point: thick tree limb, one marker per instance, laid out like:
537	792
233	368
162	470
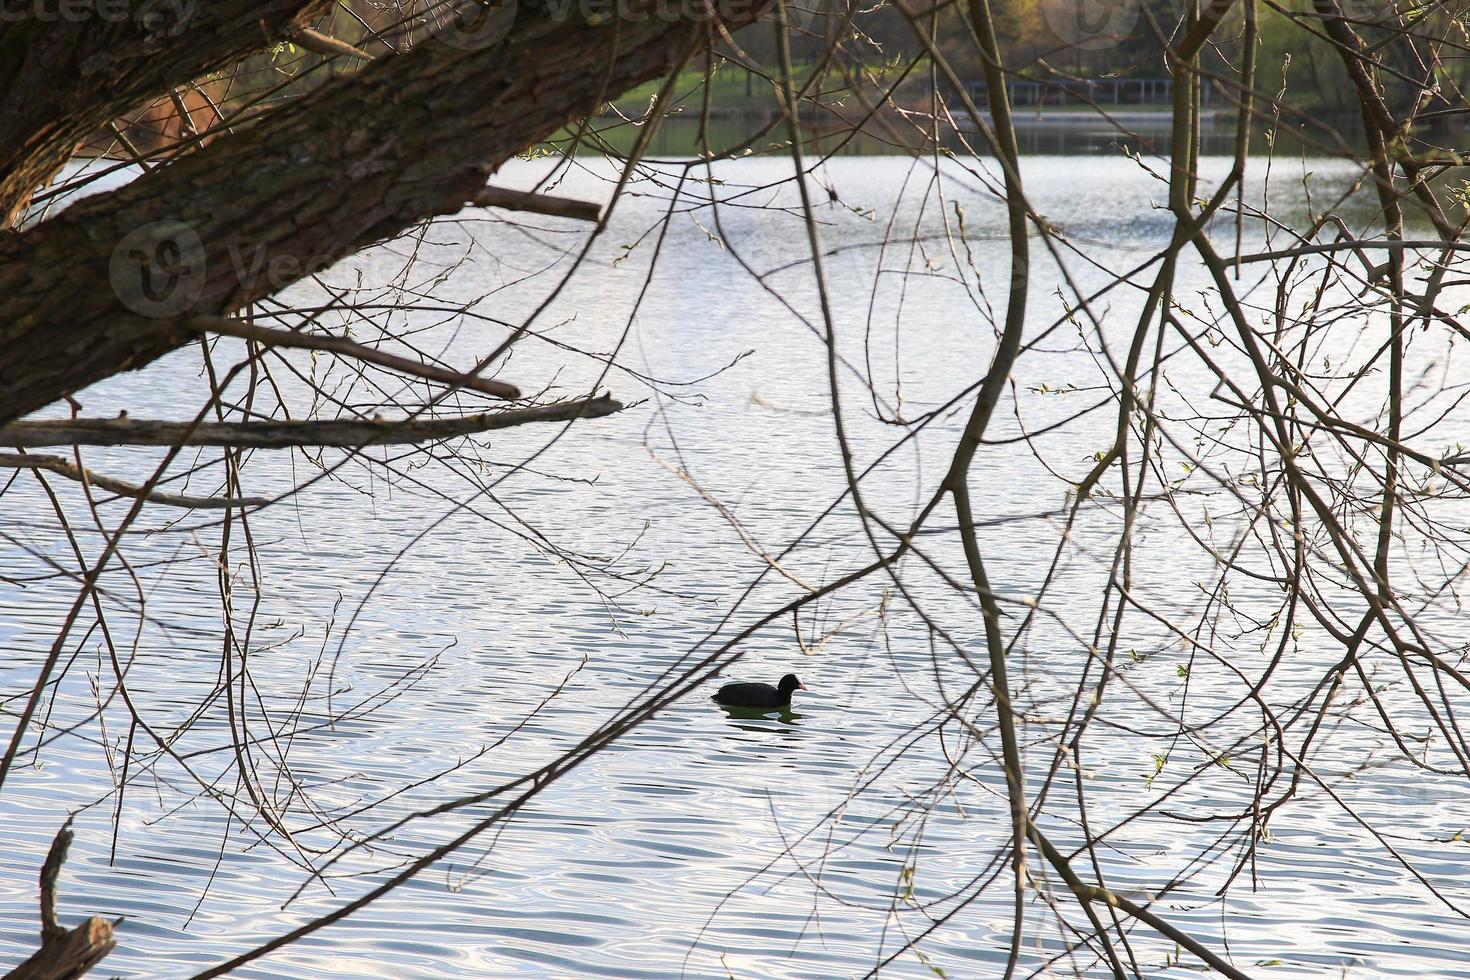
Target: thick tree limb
64	953
355	162
61	78
557	207
344	433
70	470
305	341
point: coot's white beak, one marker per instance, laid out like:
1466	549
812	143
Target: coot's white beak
802	686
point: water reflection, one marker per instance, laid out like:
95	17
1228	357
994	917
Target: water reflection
742	717
620	867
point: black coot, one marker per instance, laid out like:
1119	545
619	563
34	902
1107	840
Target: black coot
759	695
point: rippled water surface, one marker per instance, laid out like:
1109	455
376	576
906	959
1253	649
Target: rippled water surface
683	850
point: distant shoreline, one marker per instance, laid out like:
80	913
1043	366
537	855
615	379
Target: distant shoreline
1128	116
1025	116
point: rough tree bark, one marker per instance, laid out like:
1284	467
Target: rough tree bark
355	162
66	69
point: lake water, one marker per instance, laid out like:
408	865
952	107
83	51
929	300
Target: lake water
684	850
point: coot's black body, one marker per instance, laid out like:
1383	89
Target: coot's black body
759	695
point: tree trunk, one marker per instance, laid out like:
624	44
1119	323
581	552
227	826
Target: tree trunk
67	69
108	285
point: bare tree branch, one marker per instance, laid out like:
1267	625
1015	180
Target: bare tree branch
345	433
70	470
290	338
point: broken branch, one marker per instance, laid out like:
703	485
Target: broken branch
557	207
319	43
64	953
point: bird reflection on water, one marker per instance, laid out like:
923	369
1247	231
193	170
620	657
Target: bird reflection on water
750	719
